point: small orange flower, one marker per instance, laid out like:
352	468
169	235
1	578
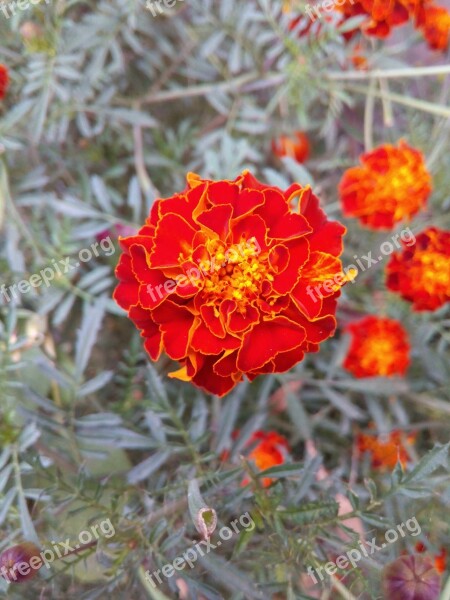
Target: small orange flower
4	81
379	348
386	451
421	273
296	147
434	21
359	60
440	560
392	184
271	450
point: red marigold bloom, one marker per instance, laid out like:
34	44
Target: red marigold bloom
386	451
382	15
379	348
296	147
434	22
271	450
392	184
4	81
421	273
219	276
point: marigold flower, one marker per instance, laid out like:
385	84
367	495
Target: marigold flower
379	348
20	563
411	577
4	81
386	451
296	147
270	451
392	184
421	273
218	278
382	15
434	22
440	560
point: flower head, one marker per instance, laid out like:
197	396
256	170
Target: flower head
434	22
219	276
391	185
386	450
382	15
379	348
411	577
440	560
270	450
17	564
296	146
421	273
4	81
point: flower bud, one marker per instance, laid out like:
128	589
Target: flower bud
411	577
21	562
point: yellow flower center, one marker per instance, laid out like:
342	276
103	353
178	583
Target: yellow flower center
235	273
378	351
434	273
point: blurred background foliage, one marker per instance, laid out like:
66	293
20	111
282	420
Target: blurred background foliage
109	107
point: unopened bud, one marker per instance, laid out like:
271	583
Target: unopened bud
21	562
411	577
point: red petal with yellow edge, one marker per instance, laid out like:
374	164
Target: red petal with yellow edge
227	364
173	239
298	255
212	316
266	340
207	343
223	192
126	294
247	202
236	321
211	382
217	220
175	324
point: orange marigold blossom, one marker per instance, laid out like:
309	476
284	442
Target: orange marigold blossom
384	15
386	450
217	277
379	348
271	450
440	560
434	22
420	273
392	184
296	146
4	81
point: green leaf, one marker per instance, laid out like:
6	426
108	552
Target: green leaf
311	512
437	457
